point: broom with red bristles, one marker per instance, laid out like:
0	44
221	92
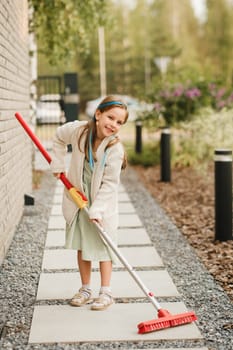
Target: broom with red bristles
165	318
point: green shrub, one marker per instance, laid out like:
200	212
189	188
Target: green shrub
195	141
149	156
177	102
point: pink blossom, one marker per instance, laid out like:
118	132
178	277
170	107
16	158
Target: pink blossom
178	91
221	104
193	93
220	93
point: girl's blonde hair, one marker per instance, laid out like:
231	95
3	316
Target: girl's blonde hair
90	131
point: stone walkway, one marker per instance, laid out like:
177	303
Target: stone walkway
54	321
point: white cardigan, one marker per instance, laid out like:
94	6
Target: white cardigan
105	178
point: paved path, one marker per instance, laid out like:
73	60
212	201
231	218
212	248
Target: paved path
55	321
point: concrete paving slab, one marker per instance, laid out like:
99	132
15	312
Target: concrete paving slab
133	236
63	323
59	189
59	259
123	197
57	198
56	222
55	238
126	236
141	256
129	220
121	188
56	210
126	207
64	285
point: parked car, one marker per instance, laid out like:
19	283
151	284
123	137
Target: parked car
91	107
49	110
135	107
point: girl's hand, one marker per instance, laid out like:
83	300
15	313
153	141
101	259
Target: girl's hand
57	175
98	221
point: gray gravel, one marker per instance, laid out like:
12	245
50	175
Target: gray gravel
20	272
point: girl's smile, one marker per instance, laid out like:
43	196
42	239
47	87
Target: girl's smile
109	122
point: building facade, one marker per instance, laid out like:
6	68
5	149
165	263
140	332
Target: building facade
15	147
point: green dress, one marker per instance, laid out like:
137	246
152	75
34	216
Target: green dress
83	234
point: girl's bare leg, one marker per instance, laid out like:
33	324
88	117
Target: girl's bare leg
84	268
105	273
84	294
105	296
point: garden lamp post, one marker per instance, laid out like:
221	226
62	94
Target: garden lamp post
103	83
162	63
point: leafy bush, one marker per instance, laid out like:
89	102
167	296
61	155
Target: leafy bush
152	120
179	102
195	141
220	97
149	156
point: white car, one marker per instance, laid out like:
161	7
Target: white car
48	110
135	107
91	107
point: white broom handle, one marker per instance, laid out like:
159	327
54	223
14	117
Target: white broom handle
115	249
81	202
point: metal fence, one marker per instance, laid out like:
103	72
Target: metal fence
57	103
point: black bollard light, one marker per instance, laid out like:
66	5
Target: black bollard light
138	141
165	155
29	200
223	194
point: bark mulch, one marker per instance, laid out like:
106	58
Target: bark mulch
189	202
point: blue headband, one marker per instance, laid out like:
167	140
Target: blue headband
110	103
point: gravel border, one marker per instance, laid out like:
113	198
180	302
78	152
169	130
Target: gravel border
20	271
198	288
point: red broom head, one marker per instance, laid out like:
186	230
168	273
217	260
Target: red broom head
166	320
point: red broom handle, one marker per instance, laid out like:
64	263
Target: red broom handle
46	155
33	137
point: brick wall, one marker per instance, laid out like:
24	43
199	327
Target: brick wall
15	148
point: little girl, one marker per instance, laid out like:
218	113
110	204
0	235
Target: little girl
95	167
